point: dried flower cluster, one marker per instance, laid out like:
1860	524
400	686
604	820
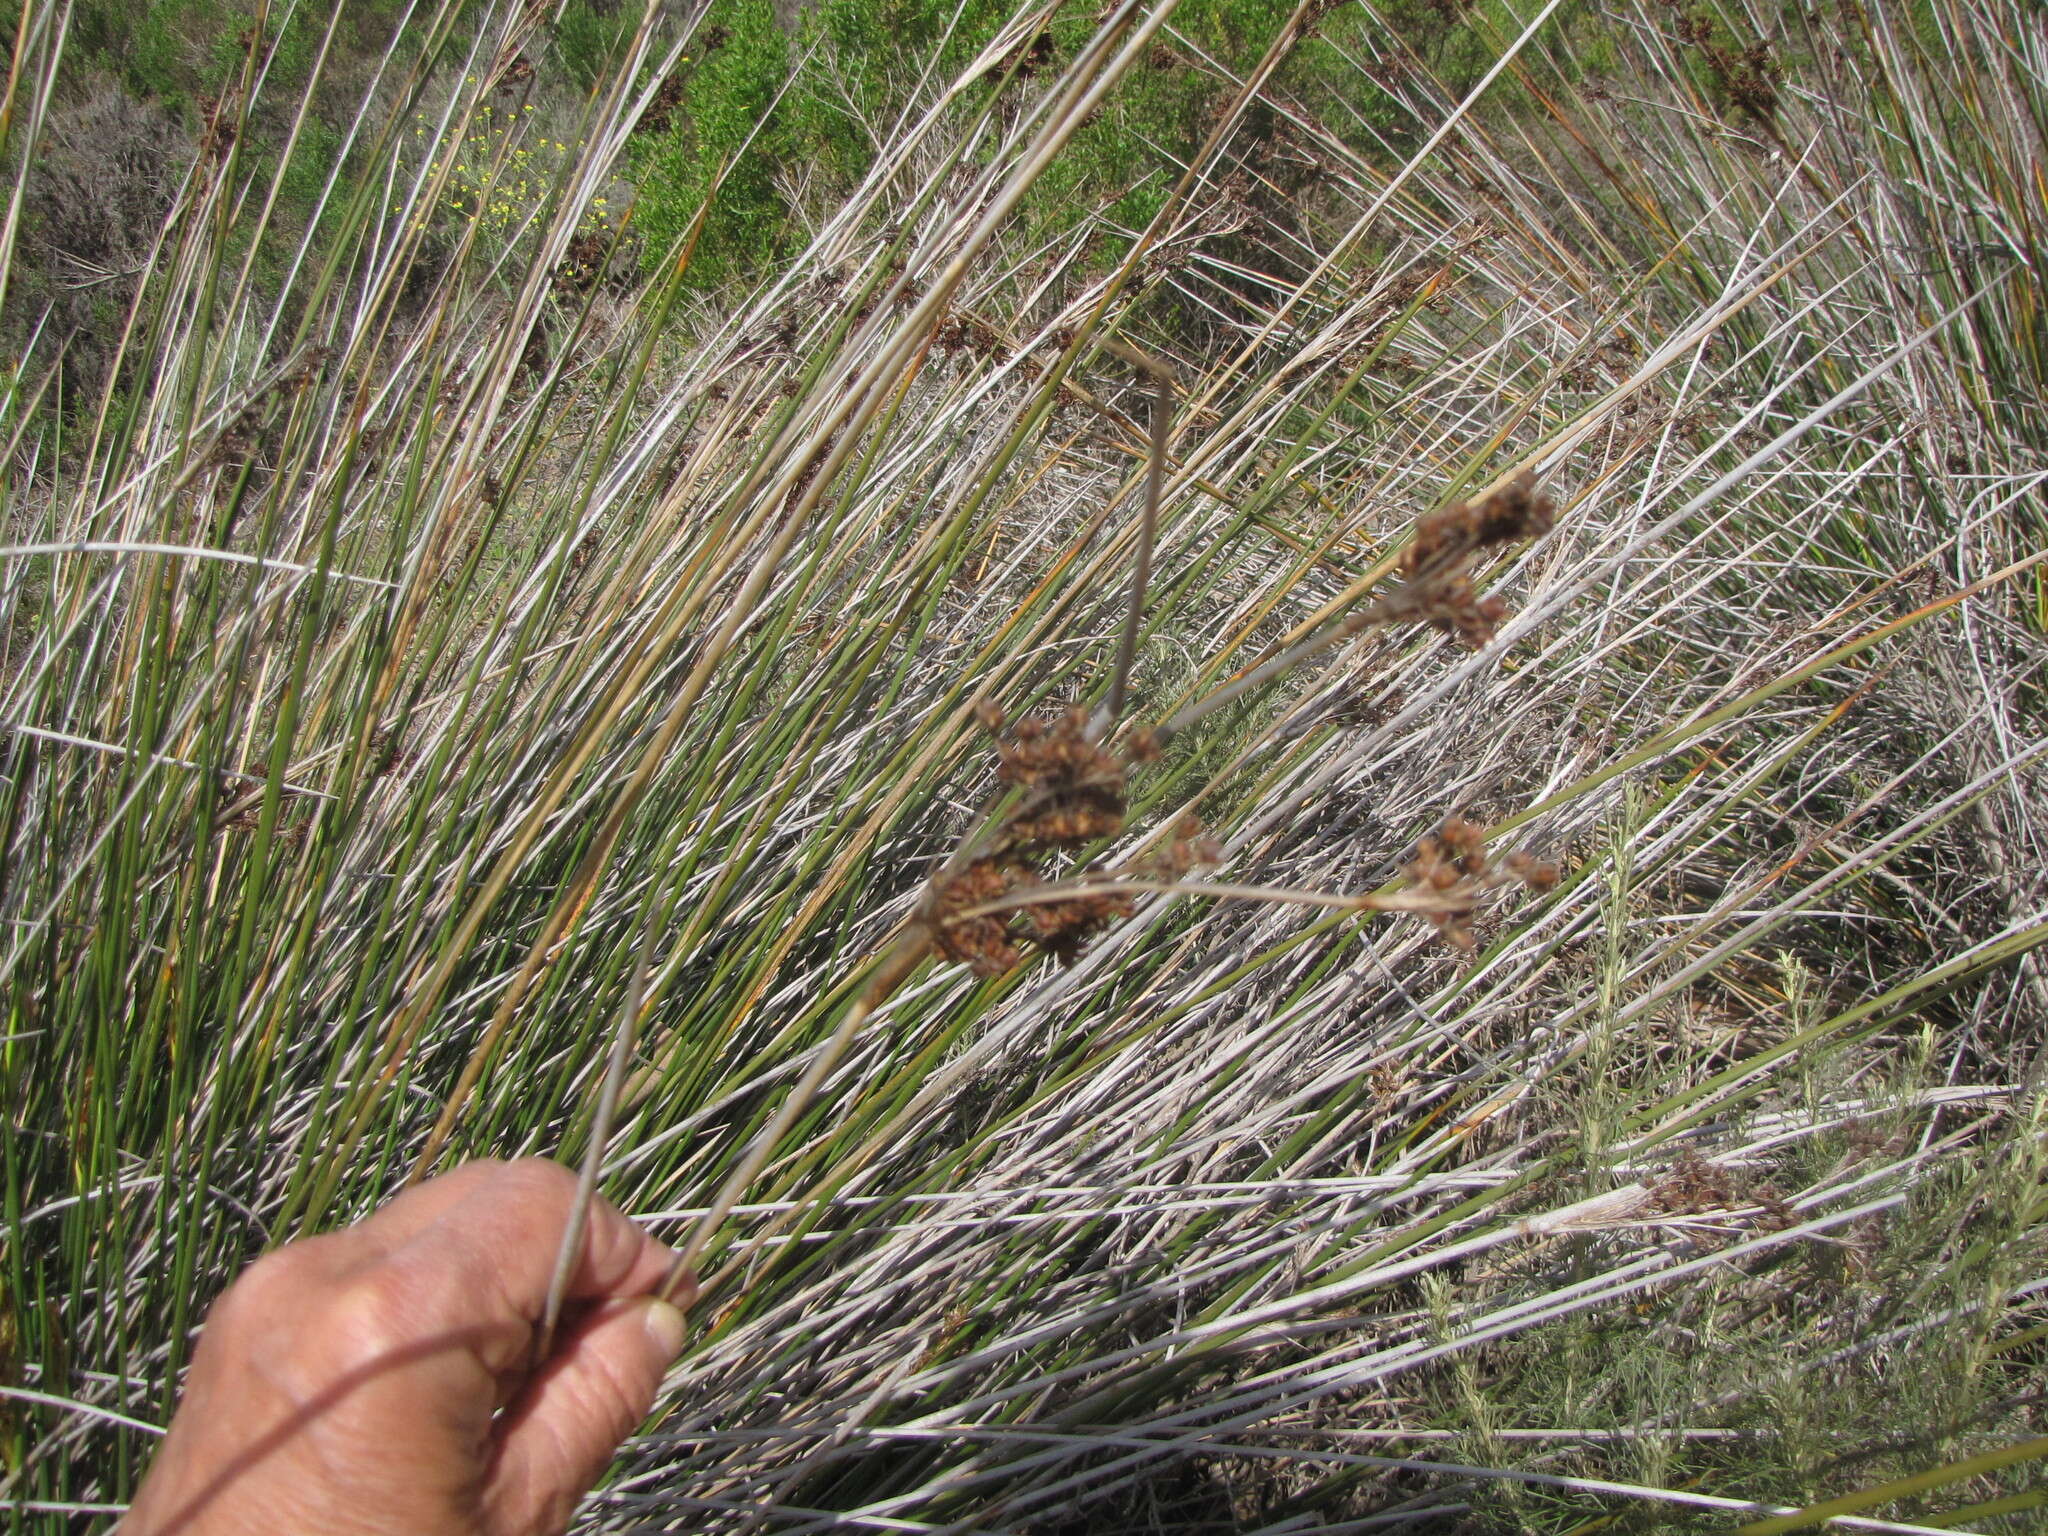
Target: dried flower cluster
1693	1186
1064	790
1439	587
1190	848
1072	795
1063	928
1747	76
963	331
1453	869
1073	789
586	261
1616	356
983	942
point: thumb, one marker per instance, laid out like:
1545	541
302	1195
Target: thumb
562	1431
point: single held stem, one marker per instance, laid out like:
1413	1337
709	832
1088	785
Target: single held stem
609	1087
1112	709
916	941
902	958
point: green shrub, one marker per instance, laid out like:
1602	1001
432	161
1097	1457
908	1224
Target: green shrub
728	91
588	37
739	112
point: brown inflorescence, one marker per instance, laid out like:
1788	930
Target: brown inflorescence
983	942
1189	849
1453	533
966	332
1063	928
1692	1185
584	261
667	102
1439	587
1537	874
1073	796
1452	866
1074	790
1070	790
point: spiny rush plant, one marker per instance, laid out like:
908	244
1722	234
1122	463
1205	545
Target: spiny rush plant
463	696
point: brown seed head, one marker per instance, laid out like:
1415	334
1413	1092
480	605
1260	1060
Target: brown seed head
1452	867
1075	789
1439	588
1692	1185
982	943
1063	928
1445	538
1080	817
1535	873
1189	849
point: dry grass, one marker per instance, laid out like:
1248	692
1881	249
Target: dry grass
404	712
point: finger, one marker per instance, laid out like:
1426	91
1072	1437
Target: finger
557	1439
496	1246
404	1218
351	1250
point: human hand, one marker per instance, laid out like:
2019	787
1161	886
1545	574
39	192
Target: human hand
352	1384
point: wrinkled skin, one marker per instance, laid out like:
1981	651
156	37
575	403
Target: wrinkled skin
352	1384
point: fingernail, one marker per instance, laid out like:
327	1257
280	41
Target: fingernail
666	1328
